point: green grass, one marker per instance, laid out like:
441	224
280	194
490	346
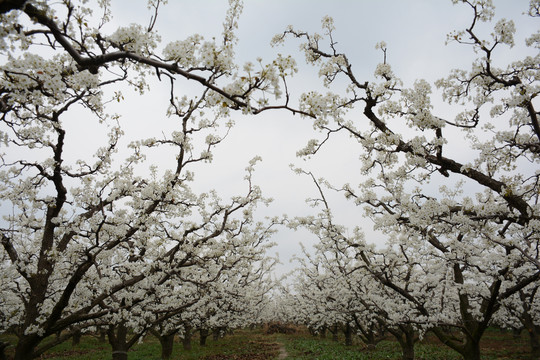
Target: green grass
255	345
304	347
243	344
495	345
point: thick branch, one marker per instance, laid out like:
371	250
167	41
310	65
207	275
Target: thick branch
499	187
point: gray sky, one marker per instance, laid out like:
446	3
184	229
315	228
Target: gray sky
415	32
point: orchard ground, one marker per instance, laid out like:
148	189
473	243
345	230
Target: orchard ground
261	344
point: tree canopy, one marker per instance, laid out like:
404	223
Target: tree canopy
95	237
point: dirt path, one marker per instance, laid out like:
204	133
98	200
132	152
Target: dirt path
282	352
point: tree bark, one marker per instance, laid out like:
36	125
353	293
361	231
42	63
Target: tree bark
76	339
532	329
26	346
102	335
3	346
219	332
407	347
534	341
118	341
471	350
203	335
406	337
166	341
369	334
167	345
407	351
334	331
186	339
371	340
468	347
348	335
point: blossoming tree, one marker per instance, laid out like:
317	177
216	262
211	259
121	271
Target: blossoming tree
89	236
225	300
477	234
356	270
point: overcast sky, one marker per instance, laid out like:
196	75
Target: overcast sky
415	31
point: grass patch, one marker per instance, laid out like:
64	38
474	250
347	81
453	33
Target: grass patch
242	345
257	345
303	346
496	345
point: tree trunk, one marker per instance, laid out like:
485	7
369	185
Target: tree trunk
348	335
118	341
370	334
532	329
120	354
186	339
167	344
3	346
371	340
406	337
323	332
334	331
534	341
407	352
102	335
467	347
76	339
219	332
471	350
203	335
26	347
407	347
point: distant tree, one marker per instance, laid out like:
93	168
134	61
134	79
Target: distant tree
521	312
476	239
355	277
227	299
85	236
